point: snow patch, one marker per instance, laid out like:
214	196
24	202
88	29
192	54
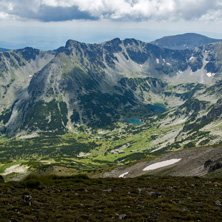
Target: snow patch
46	162
161	164
191	58
157	61
123	175
16	169
209	74
168	64
49	118
82	154
102	132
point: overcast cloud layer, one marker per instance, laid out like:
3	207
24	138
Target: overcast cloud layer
64	10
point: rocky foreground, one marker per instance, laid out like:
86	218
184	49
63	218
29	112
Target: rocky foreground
140	199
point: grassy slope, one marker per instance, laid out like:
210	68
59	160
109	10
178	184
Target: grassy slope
140	199
81	152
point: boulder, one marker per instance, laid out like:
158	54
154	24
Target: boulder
215	166
2	179
207	163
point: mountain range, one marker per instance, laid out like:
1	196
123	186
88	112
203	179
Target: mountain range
167	92
184	41
3	49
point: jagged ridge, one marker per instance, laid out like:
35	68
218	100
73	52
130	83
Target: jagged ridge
98	84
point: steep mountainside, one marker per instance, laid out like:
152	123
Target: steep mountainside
203	161
17	69
184	41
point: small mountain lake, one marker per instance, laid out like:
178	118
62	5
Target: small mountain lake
157	107
133	121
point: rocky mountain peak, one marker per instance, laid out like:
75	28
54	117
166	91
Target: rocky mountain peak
72	43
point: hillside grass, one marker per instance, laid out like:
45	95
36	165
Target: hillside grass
79	198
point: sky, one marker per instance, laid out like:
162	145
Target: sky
48	24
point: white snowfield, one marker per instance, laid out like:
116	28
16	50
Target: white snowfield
209	74
161	164
123	175
16	169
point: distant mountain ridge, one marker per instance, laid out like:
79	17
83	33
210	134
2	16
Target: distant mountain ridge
4	50
184	41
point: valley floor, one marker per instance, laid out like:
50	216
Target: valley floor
79	198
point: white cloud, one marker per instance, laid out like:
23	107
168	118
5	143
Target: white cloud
212	16
3	15
56	3
142	9
114	9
